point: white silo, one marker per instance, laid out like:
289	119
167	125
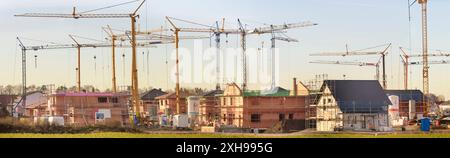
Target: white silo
412	109
193	103
394	116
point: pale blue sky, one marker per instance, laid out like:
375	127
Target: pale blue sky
359	23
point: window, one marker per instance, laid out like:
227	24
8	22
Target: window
281	117
224	117
329	100
291	116
231	101
102	99
324	101
256	118
115	100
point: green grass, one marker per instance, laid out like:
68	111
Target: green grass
207	135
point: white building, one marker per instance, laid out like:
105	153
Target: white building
352	105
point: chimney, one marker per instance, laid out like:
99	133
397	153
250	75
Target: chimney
295	86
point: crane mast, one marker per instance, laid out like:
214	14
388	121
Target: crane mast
426	85
244	56
405	59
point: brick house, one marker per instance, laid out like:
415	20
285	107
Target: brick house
259	109
151	104
89	108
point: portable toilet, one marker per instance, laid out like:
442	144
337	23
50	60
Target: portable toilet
425	124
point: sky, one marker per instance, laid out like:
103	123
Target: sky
357	23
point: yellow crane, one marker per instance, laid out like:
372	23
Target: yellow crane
133	15
113	38
425	70
217	31
152	34
405	59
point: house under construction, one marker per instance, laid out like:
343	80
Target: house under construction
352	105
259	109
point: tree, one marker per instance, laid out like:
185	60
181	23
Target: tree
61	88
9	89
43	88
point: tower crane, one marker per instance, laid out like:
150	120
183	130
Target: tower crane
430	62
425	75
133	15
77	45
176	38
217	31
353	63
113	38
357	53
405	59
243	33
122	37
272	29
264	30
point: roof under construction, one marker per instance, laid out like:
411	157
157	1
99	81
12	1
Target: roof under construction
275	92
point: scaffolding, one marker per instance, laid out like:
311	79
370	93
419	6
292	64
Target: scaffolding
313	86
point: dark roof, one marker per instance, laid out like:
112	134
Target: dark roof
406	95
212	93
358	96
152	94
172	95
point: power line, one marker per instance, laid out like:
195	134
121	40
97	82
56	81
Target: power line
111	6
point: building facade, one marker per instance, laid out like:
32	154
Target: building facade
168	104
209	105
352	105
150	106
259	109
409	99
90	108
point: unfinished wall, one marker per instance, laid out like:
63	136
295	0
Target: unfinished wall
328	114
81	110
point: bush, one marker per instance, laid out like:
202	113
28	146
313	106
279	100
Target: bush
12	125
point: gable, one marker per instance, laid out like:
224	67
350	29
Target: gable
232	90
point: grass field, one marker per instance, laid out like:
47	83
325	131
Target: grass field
203	135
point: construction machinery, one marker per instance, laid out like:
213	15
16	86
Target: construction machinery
425	75
382	53
242	31
405	59
113	38
133	15
217	31
430	62
353	63
273	29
